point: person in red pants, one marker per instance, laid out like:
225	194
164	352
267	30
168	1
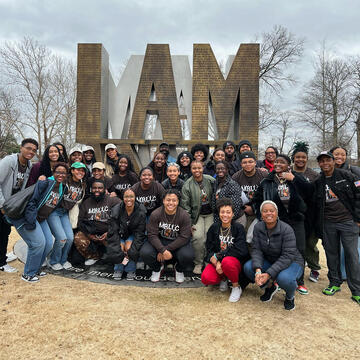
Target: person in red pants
226	251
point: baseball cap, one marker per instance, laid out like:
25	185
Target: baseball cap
88	148
98	165
110	146
75	149
325	153
78	165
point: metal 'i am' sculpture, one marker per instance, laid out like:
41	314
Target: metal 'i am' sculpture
158	100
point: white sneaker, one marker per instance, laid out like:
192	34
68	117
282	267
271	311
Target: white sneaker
11	256
56	267
179	277
8	269
66	265
89	262
155	275
224	286
197	269
235	294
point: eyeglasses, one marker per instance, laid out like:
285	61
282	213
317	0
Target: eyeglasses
269	152
28	148
60	173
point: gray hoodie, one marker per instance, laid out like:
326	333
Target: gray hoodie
8	174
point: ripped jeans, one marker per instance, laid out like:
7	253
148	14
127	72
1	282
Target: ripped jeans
61	229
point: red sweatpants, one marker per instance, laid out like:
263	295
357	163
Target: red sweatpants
230	266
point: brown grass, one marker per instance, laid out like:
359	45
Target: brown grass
61	318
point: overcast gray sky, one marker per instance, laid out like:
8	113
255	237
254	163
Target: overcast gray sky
126	26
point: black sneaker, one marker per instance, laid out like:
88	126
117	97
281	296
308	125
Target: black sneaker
269	293
289	304
30	279
41	273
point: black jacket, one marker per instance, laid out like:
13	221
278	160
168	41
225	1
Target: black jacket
120	230
343	184
299	188
238	249
353	169
178	186
279	248
232	190
209	168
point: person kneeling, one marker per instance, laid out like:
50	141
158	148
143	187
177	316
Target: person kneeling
169	234
275	260
226	251
93	221
126	235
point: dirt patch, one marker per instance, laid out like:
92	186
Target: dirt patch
61	318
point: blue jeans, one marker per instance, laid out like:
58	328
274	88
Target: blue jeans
60	226
39	242
131	265
287	278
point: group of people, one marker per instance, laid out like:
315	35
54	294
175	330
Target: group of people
229	219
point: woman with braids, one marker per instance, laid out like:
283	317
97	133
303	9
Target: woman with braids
218	155
200	152
340	156
43	169
300	159
288	190
159	166
184	160
125	177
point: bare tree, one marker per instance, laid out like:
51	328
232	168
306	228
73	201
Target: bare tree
356	87
279	48
285	127
327	103
45	96
8	118
267	115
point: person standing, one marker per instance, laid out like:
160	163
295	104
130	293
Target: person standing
165	149
184	160
249	178
89	157
300	160
337	202
271	154
111	158
288	191
196	200
33	226
14	174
